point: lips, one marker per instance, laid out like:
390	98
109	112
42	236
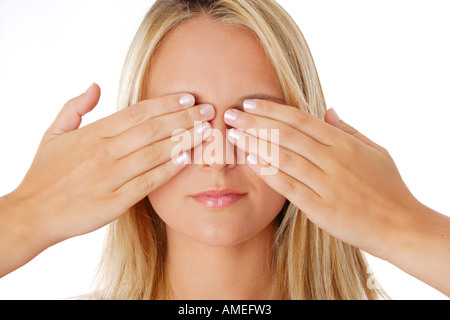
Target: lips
218	198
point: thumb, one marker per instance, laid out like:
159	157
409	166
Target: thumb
69	118
331	117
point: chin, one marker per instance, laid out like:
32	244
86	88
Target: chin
225	234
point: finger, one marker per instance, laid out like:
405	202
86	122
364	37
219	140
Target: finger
158	128
295	191
295	117
280	133
69	118
136	189
136	114
280	158
156	154
333	119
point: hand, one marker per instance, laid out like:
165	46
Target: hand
345	184
83	178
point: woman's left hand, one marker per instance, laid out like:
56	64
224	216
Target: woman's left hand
345	184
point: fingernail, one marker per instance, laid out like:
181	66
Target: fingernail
249	105
207	111
231	115
334	114
187	100
183	158
252	159
235	134
202	129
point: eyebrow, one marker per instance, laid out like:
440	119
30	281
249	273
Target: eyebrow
200	100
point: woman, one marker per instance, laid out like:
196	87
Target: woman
292	234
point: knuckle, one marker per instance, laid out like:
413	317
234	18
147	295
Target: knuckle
145	182
350	147
336	167
386	152
164	171
152	153
134	114
99	150
70	102
302	120
287	135
151	128
187	117
104	154
250	122
290	187
285	157
349	129
108	149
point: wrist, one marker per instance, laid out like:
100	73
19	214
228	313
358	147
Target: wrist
420	246
405	231
22	235
32	216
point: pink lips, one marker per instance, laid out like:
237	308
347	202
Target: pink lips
218	198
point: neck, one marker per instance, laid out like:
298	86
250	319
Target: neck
238	272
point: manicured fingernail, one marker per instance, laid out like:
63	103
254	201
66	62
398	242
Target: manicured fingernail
202	129
334	114
235	134
231	115
249	105
187	100
207	111
183	158
252	159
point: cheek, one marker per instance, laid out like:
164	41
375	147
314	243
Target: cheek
269	202
163	200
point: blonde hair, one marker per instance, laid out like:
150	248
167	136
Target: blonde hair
310	264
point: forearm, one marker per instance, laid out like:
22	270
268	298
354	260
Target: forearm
422	248
20	239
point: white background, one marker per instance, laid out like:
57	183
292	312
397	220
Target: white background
384	66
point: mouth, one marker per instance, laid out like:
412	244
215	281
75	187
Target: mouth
218	198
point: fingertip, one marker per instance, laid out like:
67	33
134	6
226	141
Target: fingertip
334	114
93	88
90	88
331	117
89	99
187	100
182	159
252	159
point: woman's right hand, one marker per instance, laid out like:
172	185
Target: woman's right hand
83	178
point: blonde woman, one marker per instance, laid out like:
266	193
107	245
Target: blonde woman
202	74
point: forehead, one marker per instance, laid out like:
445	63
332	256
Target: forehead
203	54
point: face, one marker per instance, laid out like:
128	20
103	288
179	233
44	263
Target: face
219	65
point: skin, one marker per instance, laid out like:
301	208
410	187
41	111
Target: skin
208	245
327	169
105	168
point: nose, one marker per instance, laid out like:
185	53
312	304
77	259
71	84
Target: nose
217	152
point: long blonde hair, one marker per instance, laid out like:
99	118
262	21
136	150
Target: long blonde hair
310	264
